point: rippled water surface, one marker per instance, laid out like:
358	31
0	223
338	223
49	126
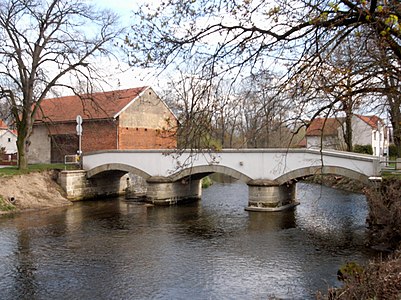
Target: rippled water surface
212	249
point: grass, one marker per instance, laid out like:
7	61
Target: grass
5	205
391	175
13	170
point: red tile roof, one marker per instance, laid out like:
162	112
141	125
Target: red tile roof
3	125
323	126
302	143
90	106
372	121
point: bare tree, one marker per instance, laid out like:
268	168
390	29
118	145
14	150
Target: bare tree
265	110
238	36
42	43
192	100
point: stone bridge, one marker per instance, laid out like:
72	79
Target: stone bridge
271	174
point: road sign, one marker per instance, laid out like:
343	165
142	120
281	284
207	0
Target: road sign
79	129
79	133
79	125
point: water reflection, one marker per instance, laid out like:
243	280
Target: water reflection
25	267
260	222
212	249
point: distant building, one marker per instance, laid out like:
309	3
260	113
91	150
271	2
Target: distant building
328	133
325	133
124	119
370	130
8	139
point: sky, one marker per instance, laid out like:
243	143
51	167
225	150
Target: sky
123	76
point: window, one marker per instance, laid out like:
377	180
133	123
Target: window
9	140
374	135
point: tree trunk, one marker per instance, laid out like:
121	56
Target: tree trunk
396	123
22	153
24	128
348	108
394	104
348	131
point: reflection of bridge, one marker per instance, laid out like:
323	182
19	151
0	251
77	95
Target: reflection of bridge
270	173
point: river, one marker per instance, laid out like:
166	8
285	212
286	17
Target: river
212	249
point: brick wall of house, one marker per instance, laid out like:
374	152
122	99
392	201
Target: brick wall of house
147	124
144	138
97	135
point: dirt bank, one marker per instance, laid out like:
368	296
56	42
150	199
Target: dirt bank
32	191
338	182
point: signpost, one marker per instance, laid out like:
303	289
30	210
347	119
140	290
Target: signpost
79	133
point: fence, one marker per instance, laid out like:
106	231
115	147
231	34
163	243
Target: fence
8	159
391	165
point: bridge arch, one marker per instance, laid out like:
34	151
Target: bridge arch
113	167
209	169
328	170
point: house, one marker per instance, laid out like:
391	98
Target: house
366	130
324	132
134	118
8	139
370	130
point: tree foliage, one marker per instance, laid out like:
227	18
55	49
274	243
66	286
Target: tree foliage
43	44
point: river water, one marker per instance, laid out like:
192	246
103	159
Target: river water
212	249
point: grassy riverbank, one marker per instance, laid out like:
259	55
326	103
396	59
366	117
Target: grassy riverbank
13	170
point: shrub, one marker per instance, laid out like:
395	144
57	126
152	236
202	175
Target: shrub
364	149
378	280
206	182
392	150
384	218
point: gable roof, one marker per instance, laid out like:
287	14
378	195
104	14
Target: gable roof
372	121
103	105
323	126
3	125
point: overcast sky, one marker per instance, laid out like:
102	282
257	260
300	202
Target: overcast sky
121	75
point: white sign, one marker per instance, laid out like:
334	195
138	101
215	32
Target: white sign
79	129
79	125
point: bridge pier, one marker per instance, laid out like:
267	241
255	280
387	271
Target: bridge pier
268	195
164	191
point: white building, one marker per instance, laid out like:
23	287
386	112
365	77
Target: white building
366	130
370	130
8	139
325	133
